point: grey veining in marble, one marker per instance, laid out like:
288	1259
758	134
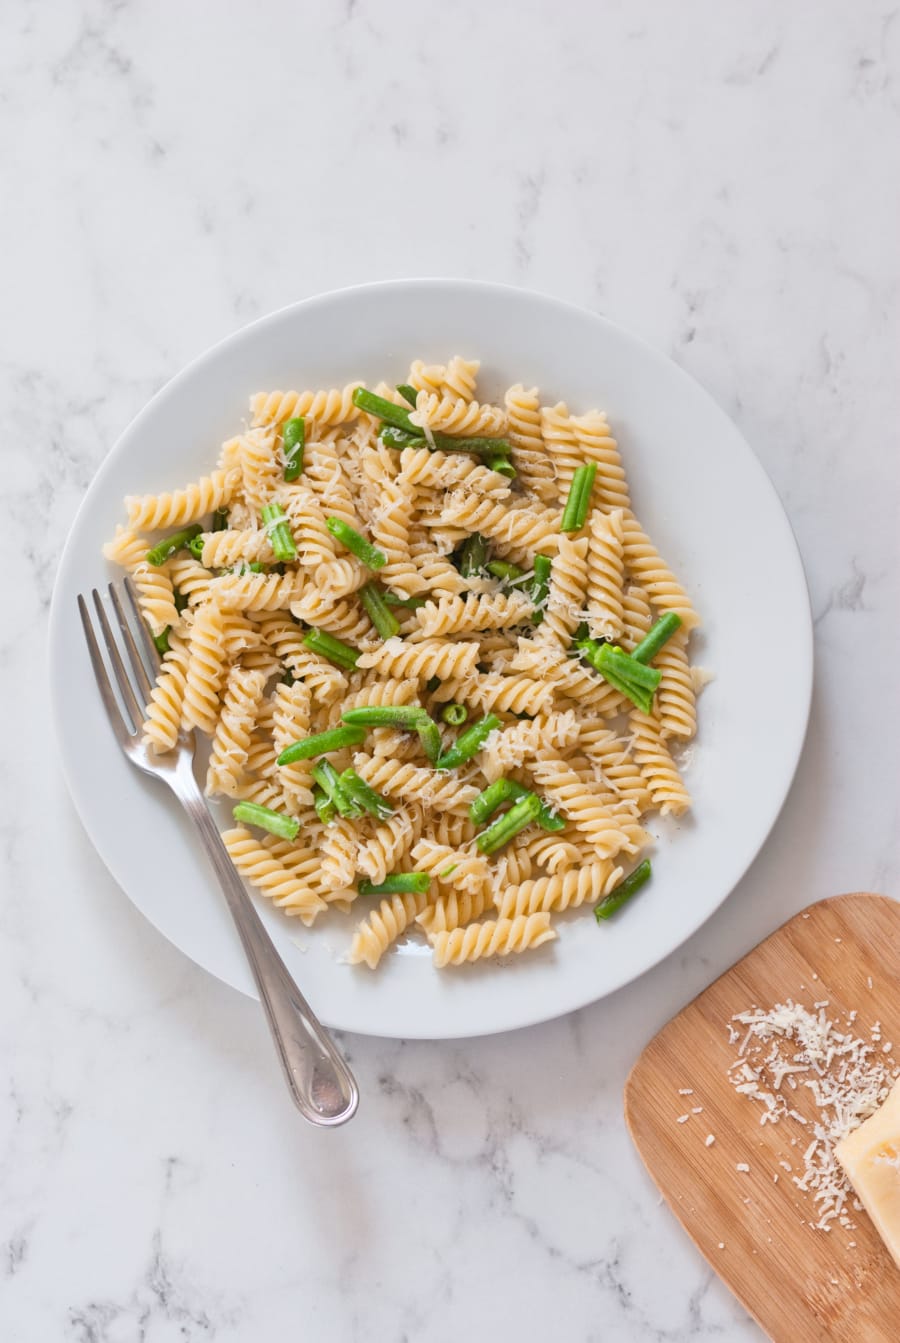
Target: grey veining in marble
720	177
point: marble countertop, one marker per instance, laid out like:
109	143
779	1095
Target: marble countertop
723	179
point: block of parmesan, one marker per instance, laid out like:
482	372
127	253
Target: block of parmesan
870	1156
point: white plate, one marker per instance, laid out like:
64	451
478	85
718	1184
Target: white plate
707	504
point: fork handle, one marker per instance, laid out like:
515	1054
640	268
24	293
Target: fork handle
322	1086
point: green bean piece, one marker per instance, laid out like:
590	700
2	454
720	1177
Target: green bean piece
430	737
473	555
387	715
385	410
195	546
454	714
320	743
408	392
626	888
510	790
632	679
540	586
180	599
359	791
281	538
509	573
432	684
219	520
335	650
393	437
163	549
579	499
264	818
325	808
408	603
370	555
380	614
293	440
500	463
469	743
161	640
482	807
328	779
252	567
660	634
507	826
399	883
287	677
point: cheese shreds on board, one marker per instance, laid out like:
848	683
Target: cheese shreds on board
788	1047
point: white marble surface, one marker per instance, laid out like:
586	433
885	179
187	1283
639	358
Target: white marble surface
720	177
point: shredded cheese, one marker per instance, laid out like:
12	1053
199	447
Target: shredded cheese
790	1046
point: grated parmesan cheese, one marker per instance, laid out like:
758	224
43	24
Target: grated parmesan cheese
841	1071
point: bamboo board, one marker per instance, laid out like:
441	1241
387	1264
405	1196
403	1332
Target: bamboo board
801	1284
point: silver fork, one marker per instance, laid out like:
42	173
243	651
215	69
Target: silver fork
322	1086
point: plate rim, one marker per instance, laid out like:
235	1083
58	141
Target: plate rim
805	647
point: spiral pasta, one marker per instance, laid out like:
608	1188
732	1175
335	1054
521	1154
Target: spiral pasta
605	576
441	627
334	406
423	660
463	615
162	722
497	937
609	832
231	739
565	891
564	610
657	766
455	415
529	454
383	926
153	511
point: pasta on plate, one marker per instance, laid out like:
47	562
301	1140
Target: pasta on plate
443	670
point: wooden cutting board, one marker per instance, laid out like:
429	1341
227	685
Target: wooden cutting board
802	1285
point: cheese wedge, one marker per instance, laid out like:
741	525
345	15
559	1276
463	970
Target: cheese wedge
870	1155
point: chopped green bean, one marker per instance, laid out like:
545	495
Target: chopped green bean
281	538
509	573
251	813
163	549
180	599
293	439
430	737
328	779
385	410
359	791
500	463
325	808
320	743
387	715
454	714
632	679
219	520
370	555
510	790
399	883
469	743
626	888
408	392
335	650
540	586
394	437
161	640
473	555
380	614
579	499
195	546
408	603
507	826
660	634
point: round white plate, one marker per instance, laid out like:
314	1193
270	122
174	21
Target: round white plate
707	504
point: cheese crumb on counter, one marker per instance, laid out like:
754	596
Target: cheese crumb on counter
709	1140
790	1046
